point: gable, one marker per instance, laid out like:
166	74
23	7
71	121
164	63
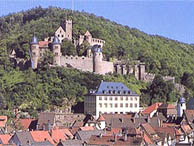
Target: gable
60	30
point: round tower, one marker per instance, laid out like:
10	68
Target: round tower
97	61
35	51
181	106
56	48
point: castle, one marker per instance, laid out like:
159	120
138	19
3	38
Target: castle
92	62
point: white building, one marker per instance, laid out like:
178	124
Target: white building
111	97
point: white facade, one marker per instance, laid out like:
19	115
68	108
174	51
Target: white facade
120	104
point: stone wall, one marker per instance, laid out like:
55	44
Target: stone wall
81	63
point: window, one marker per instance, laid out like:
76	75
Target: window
110	98
116	98
131	98
58	35
135	104
62	36
105	105
110	105
131	105
100	104
126	98
136	98
105	98
126	105
56	47
100	98
116	105
121	105
56	54
121	98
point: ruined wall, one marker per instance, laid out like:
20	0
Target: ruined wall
81	63
107	67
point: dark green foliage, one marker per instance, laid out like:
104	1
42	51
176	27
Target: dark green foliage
161	91
47	87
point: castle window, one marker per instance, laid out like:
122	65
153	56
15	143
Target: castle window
56	47
131	98
56	54
114	92
105	105
116	105
110	105
58	35
100	104
62	36
135	104
136	98
110	98
105	98
128	92
121	98
124	92
116	98
100	98
121	105
33	53
131	105
126	98
126	105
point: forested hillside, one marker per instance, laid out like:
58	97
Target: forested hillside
44	88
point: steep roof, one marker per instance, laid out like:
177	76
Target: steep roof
71	143
24	137
62	134
149	129
43	43
87	33
151	108
43	143
87	128
85	135
4	138
113	88
101	118
40	136
26	123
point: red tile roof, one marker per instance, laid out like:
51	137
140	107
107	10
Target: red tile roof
40	136
113	131
151	108
87	128
43	44
5	138
24	123
62	134
147	140
101	118
3	121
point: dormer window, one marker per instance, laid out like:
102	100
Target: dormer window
114	91
119	92
129	92
103	91
124	92
110	92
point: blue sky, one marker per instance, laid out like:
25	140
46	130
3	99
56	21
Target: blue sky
172	19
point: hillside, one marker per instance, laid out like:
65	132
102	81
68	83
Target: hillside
46	88
162	55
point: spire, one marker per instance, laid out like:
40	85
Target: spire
56	40
34	40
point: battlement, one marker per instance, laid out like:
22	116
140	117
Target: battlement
95	40
75	57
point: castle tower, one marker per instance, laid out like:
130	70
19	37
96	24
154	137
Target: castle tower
35	52
68	27
97	61
141	71
56	48
181	106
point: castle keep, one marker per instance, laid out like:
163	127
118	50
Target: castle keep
92	62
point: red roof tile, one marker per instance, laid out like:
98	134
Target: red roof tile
147	140
113	131
151	108
87	128
40	136
62	134
3	121
5	138
43	44
24	123
101	118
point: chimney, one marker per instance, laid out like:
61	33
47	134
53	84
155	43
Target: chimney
49	126
125	137
115	137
